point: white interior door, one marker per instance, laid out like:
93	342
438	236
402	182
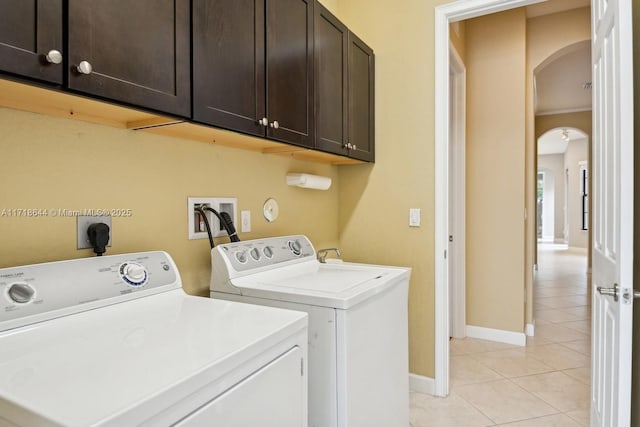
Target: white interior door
612	279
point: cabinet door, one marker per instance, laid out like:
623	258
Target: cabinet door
29	29
139	51
361	100
330	62
289	71
228	64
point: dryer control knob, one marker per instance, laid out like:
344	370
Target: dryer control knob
134	274
21	293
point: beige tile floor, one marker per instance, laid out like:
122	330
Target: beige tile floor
545	383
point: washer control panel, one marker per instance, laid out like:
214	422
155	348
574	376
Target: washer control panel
262	253
37	292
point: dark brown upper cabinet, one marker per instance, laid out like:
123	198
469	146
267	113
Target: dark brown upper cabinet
331	82
136	52
361	142
253	67
31	42
344	84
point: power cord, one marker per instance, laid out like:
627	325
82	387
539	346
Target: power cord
225	222
98	234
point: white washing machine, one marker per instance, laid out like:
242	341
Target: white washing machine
358	337
114	341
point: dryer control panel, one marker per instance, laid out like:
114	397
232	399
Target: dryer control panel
37	292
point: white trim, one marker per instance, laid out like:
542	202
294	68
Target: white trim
457	216
530	329
508	337
424	385
444	14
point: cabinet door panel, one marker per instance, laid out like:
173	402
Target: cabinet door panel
361	99
228	64
139	51
290	70
330	62
29	29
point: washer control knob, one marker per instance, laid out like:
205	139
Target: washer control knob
255	254
241	256
268	251
295	247
21	293
133	273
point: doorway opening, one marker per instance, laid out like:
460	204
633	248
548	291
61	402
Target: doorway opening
445	191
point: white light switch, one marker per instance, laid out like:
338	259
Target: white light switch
414	217
245	218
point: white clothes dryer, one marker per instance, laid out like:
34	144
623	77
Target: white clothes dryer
115	341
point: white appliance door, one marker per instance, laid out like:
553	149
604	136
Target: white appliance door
612	279
270	397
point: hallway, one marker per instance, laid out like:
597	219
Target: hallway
545	383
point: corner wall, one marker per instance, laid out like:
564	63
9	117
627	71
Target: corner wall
375	199
496	65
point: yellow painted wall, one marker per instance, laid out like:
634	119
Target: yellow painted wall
375	200
546	35
496	63
54	163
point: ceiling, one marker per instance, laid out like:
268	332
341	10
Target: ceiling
562	83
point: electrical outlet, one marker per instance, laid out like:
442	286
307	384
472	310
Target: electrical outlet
245	218
197	228
83	222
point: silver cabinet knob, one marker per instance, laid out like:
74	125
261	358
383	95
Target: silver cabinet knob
275	124
354	147
53	56
84	67
263	121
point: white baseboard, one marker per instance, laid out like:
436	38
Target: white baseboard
529	330
508	337
421	384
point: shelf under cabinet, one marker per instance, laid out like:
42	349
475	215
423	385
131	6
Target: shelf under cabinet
51	102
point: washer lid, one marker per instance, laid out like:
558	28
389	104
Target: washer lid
340	285
122	364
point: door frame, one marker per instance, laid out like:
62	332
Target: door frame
457	214
444	15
